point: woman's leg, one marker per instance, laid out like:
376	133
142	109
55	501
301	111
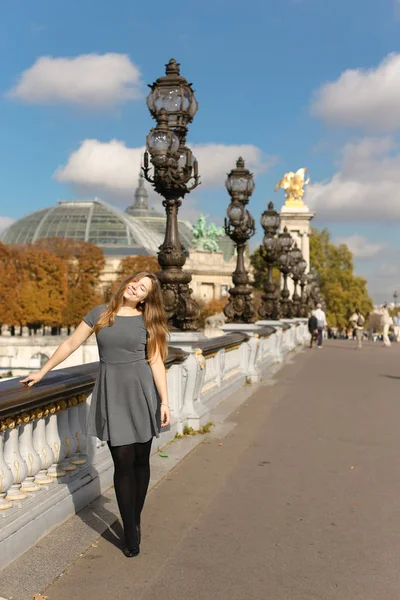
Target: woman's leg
142	475
125	490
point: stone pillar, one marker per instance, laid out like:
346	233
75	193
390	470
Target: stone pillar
297	220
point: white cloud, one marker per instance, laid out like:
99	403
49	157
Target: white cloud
5	222
111	168
90	80
216	160
383	281
360	247
108	168
366	186
366	98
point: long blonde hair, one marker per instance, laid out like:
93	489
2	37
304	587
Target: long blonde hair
152	309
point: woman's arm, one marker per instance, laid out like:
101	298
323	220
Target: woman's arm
72	343
160	379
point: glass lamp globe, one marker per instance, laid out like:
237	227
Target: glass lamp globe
285	240
270	219
175	95
303	265
235	212
270	244
295	254
240	183
283	260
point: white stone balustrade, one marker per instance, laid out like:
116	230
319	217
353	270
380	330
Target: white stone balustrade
6	476
42	447
29	454
46	459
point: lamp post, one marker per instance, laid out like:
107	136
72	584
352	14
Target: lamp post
239	226
395	296
303	295
270	221
295	258
285	244
298	270
173	105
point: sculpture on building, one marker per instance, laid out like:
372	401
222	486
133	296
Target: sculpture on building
293	184
206	238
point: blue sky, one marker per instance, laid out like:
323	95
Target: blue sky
260	71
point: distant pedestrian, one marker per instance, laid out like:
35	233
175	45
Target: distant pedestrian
321	324
396	326
357	322
313	328
387	321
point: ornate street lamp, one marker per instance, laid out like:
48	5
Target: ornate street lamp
175	173
303	283
285	244
296	258
175	95
239	226
270	221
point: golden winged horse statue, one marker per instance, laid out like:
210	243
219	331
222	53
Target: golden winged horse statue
293	184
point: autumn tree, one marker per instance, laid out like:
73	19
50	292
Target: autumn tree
130	265
260	270
9	279
85	263
341	289
41	287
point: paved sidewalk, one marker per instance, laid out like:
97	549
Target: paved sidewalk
300	502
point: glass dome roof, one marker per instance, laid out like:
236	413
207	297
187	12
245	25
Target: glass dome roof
97	222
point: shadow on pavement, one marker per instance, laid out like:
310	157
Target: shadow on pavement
114	534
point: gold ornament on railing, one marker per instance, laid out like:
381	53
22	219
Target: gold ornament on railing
293	184
41	412
198	352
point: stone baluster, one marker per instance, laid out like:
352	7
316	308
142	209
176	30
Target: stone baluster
54	440
13	458
28	453
252	351
193	370
42	447
67	440
80	457
6	476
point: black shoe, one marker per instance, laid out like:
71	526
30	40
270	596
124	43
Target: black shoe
133	552
139	533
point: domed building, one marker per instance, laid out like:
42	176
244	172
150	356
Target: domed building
138	230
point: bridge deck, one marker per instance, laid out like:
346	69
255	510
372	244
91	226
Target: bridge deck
300	502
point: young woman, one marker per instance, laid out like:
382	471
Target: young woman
129	400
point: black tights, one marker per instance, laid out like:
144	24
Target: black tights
131	481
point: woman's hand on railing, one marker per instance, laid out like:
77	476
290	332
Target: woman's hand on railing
32	378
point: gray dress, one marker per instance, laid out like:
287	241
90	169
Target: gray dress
125	405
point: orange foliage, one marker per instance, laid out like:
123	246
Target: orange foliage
85	263
9	277
40	291
208	309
